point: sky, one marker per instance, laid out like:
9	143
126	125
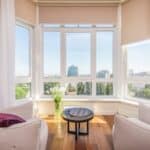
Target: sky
139	58
22	51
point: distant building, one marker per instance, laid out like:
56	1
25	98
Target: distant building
73	71
103	74
131	72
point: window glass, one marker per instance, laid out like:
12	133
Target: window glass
52	54
22	53
139	90
48	86
139	60
104	88
23	90
104	49
80	88
78	46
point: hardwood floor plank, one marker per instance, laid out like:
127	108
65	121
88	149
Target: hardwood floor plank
99	137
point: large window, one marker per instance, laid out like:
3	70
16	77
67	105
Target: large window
78	57
139	70
23	61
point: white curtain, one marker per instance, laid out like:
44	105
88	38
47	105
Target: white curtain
7	53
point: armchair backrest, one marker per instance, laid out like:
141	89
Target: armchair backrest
24	110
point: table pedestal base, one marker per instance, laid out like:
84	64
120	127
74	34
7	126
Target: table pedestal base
77	130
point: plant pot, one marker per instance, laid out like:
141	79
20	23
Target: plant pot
58	106
58	110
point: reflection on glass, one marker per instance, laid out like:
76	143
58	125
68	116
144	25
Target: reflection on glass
52	54
104	89
23	90
104	49
139	90
78	47
22	52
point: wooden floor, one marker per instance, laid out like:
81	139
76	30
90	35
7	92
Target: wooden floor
99	137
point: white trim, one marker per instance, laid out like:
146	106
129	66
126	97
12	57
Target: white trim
25	22
7	48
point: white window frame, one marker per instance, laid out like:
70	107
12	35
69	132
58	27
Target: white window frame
128	80
26	79
63	78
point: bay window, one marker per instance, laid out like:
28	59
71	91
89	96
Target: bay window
78	57
23	61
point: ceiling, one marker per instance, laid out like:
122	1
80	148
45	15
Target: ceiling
78	2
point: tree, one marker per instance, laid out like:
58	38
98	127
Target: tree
100	89
80	88
49	85
22	91
109	89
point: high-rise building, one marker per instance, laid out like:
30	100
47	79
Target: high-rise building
72	71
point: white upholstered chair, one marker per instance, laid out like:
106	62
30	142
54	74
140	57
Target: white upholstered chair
31	135
133	133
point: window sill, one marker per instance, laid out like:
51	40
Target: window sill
135	101
92	99
129	102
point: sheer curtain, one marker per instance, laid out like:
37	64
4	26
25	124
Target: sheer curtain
7	52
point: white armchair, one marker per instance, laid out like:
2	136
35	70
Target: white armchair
31	135
132	133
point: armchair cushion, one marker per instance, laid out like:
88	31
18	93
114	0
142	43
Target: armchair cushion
7	120
144	113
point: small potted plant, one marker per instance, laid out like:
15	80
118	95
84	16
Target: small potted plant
57	94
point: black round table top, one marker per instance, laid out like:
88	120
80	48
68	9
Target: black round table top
77	114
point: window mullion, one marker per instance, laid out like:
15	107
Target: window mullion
63	56
93	62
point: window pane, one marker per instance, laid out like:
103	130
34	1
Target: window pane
104	89
78	47
22	60
23	90
139	60
48	86
80	88
104	49
52	54
139	90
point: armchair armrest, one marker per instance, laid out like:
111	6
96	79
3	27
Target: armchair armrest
24	110
130	134
24	136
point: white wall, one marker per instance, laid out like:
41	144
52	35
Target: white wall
99	107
